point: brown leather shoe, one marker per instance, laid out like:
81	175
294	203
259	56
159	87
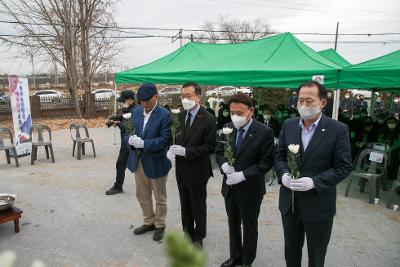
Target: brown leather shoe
143	229
158	234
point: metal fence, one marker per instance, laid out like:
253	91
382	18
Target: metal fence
62	102
5	106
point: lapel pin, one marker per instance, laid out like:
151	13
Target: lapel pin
323	130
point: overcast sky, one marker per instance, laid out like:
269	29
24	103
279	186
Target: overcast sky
354	16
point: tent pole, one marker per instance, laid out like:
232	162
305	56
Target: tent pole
336	102
371	108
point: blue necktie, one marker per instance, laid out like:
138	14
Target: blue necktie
239	139
187	123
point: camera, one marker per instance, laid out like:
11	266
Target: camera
112	118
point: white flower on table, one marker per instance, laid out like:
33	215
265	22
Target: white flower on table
227	130
175	111
294	148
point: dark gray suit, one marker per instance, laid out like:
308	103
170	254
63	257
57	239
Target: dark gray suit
327	160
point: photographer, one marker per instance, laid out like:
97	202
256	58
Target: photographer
127	98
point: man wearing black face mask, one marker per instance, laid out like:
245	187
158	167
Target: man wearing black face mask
127	98
362	105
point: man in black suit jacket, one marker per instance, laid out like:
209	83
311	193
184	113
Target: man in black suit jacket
243	186
324	161
195	142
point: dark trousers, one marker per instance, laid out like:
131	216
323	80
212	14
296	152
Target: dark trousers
193	210
318	236
121	167
246	216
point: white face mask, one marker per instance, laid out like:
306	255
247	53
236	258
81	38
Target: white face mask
238	121
188	104
267	117
307	113
125	105
396	101
391	126
347	96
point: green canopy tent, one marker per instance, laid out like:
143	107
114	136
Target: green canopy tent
280	61
335	57
381	73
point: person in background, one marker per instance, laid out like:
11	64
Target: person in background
221	107
166	106
380	126
292	102
224	118
209	109
328	109
259	115
391	136
271	121
347	106
364	136
362	105
356	103
127	98
395	109
293	113
379	107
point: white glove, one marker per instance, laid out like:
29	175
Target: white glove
227	168
178	150
302	184
130	141
235	178
138	142
287	180
170	156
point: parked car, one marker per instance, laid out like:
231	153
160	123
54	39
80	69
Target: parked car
4	98
50	96
103	93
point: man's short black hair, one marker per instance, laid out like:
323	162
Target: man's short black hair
241	98
197	88
322	92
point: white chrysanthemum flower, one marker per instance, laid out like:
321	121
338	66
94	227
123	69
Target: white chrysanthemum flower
175	111
227	130
127	116
294	148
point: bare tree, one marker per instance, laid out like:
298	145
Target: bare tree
228	30
73	33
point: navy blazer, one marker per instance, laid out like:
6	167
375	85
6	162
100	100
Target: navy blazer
254	158
157	137
327	160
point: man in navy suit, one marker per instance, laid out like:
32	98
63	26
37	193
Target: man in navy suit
149	144
243	185
324	161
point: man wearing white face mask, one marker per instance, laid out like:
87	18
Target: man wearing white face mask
324	160
195	142
243	186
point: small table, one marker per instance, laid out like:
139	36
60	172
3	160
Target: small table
12	214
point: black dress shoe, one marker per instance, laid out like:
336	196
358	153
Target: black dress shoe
158	234
232	263
198	243
113	190
143	229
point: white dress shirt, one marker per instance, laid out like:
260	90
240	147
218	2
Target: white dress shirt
147	116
